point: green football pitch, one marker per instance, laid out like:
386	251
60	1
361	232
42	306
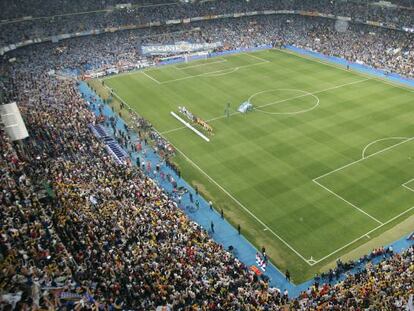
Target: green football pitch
322	165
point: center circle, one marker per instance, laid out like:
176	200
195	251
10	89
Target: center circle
282	99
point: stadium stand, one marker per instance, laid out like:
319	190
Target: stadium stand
79	231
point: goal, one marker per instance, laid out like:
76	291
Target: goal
196	56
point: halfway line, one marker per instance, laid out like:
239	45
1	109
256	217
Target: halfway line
276	102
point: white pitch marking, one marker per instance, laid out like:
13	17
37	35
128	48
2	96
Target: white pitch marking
304	94
378	140
273	103
256	57
310	261
205	74
362	159
190	126
222	117
315	180
241	205
173	130
382	224
208	75
152	78
230	195
405	185
209	120
394	84
156	68
200	65
365	234
346	201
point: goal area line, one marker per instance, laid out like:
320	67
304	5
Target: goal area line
229	70
218	61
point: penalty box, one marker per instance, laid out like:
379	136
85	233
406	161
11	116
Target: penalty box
409	185
211	67
378	185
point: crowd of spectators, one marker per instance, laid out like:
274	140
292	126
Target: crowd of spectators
385	286
390	50
160	11
13	10
386	49
108	237
10	10
81	232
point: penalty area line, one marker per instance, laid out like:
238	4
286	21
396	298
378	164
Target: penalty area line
315	180
405	185
364	235
346	201
200	65
381	139
207	74
362	159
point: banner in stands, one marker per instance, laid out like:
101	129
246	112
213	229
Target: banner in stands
180	47
59	37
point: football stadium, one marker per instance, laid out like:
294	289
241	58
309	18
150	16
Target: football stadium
207	155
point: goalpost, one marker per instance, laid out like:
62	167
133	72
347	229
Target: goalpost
196	56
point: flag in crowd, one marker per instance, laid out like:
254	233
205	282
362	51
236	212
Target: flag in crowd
261	262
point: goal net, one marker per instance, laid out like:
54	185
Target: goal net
196	56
